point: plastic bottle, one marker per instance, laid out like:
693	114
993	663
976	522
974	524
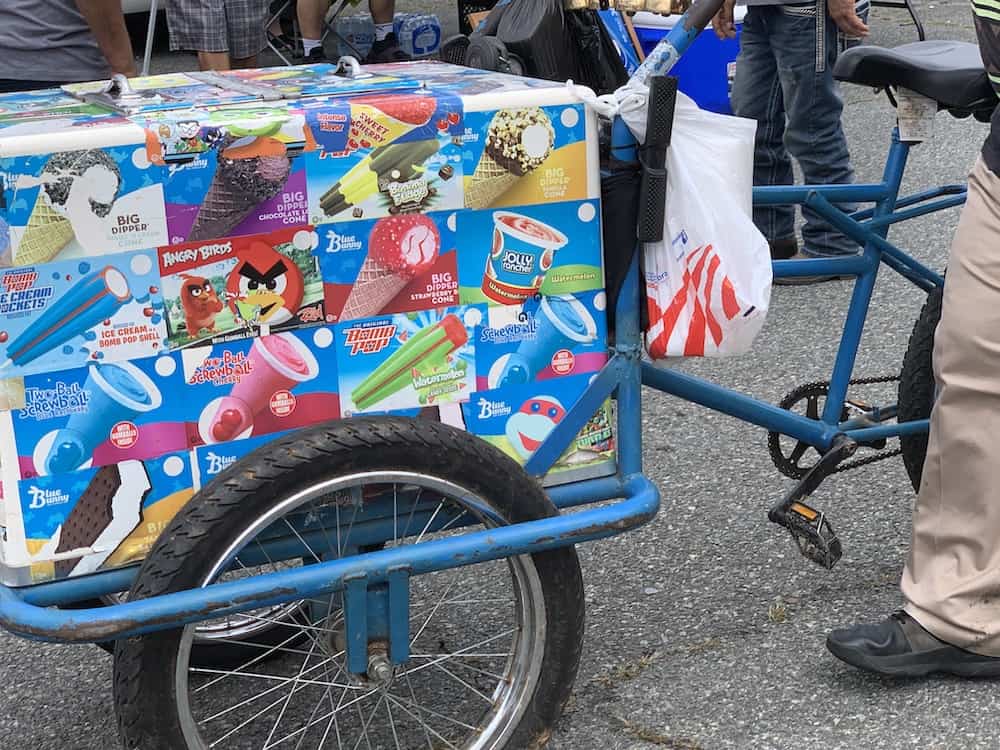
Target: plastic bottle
355	36
419	34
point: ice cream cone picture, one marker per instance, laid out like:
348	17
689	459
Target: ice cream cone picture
94	298
277	364
377	121
400	249
517	143
250	170
397	162
70	181
427	351
265	287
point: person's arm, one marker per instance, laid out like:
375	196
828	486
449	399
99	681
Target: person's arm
107	23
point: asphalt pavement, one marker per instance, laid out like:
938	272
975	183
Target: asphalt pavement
705	629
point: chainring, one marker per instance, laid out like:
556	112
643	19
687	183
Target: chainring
812	394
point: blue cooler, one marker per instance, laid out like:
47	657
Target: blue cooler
704	72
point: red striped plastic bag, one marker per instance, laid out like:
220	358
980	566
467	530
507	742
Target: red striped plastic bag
708	283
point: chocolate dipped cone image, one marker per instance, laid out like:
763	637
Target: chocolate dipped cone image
517	143
85	180
400	249
250	170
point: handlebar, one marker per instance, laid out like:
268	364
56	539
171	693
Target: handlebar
668	51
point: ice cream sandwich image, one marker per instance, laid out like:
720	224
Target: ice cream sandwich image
103	517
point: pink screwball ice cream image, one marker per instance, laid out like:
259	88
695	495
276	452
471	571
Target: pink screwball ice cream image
400	249
277	364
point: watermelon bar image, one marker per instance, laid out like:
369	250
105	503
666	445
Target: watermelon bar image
428	350
94	298
400	249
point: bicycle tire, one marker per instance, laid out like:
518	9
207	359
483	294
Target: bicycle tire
917	386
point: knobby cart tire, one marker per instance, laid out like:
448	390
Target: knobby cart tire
146	668
917	385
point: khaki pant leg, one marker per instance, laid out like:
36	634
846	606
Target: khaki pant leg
952	577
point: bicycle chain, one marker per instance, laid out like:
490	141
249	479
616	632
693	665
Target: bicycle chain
793	471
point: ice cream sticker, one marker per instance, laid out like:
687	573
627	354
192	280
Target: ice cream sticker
405	361
509	256
404	263
249	182
516	157
63	315
98	415
547	338
384	155
267	385
242	286
82	203
101	518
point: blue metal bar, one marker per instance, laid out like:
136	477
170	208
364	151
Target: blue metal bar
355	619
783	195
890	430
589	491
185	607
399	615
897	217
741	406
846	265
598	391
628	347
912	200
71	590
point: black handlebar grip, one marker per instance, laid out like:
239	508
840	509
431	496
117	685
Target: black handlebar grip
660	116
659	128
653	208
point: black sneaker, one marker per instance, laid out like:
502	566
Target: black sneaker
900	647
804	280
318	55
386	51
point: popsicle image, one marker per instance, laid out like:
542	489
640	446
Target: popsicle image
277	363
400	162
400	249
517	143
523	252
427	350
93	298
561	323
70	181
250	170
118	393
379	120
531	425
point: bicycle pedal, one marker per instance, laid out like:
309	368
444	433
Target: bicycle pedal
812	532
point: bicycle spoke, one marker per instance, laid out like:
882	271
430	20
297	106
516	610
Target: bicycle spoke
427	728
284	708
488	699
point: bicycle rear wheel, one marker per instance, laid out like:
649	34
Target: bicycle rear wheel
494	646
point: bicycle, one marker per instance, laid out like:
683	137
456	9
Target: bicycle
342	539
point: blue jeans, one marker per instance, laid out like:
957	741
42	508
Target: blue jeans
784	81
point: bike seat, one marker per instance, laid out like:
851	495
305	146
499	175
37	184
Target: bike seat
951	73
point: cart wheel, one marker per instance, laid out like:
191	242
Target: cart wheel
494	647
917	388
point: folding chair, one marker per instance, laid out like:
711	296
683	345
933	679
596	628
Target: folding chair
337	7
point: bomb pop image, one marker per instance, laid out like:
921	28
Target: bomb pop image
118	393
71	181
517	143
250	171
400	249
94	298
561	323
429	349
277	363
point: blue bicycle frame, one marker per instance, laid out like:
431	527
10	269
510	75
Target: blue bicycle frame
374	585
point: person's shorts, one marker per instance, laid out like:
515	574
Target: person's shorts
233	26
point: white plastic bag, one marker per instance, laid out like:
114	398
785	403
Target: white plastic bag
708	283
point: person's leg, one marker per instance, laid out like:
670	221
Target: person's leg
386	47
245	21
310	16
757	95
806	49
952	575
383	11
200	26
